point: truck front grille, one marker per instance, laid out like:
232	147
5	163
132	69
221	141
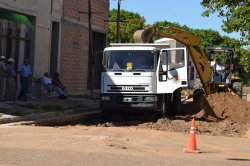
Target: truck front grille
127	88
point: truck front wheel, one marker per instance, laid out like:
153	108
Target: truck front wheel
175	104
106	115
162	105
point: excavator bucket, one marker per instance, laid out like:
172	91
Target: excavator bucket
143	36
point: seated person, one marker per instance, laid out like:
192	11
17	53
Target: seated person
59	87
219	68
47	82
116	66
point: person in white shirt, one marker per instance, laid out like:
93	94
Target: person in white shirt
219	68
47	82
24	70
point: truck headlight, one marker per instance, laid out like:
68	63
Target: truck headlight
105	98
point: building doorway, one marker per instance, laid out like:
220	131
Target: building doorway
99	43
54	48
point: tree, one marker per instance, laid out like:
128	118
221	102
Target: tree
235	14
211	37
132	22
208	37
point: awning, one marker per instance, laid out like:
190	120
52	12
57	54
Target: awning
22	19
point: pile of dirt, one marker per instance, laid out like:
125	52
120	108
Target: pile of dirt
217	107
221	106
217	114
221	128
221	114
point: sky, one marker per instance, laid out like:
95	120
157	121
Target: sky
184	12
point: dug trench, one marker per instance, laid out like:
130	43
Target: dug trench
220	114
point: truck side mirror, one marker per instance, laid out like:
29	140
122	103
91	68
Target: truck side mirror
164	61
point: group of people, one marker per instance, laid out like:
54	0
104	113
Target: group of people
7	82
8	75
54	85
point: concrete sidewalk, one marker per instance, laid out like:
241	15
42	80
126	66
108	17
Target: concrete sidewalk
36	109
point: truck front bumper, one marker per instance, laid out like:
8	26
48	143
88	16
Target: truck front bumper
128	102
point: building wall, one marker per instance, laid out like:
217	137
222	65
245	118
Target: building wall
74	44
41	14
72	59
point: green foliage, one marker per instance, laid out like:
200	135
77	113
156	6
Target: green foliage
132	22
171	24
208	37
236	15
245	59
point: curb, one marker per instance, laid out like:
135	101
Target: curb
65	119
33	117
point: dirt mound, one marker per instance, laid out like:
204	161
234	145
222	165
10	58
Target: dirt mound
226	106
224	128
219	106
217	114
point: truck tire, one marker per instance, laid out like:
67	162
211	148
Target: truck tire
175	105
237	88
106	115
162	106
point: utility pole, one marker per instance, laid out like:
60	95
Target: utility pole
118	22
90	61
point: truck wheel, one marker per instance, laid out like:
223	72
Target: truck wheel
175	105
106	115
237	87
163	106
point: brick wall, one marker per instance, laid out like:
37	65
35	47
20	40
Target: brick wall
74	41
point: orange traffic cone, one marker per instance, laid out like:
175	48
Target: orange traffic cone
191	148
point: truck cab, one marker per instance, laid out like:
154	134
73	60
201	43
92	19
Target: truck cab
142	77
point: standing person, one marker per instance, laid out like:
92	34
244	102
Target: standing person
59	87
10	93
3	74
25	73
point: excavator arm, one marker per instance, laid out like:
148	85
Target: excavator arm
192	42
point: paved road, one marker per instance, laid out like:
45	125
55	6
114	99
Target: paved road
89	145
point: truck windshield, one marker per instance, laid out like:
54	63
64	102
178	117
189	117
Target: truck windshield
129	60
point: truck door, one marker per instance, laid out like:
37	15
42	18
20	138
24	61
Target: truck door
172	70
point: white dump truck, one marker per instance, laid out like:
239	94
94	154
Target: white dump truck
143	76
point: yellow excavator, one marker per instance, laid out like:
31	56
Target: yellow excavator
205	84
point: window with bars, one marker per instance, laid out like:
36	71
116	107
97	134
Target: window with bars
14	40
